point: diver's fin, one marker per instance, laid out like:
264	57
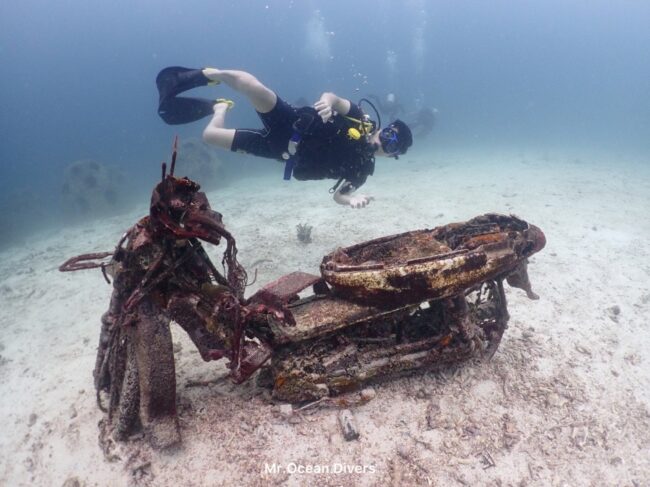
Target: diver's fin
179	110
174	80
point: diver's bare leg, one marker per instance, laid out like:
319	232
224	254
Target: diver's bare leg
215	133
262	98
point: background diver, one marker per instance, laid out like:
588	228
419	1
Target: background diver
334	139
389	106
423	121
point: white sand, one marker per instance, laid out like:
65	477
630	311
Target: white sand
565	401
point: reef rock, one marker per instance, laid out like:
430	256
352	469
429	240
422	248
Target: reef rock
91	188
199	162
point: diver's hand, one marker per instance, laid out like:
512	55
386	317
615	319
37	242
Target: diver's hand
360	200
350	199
324	109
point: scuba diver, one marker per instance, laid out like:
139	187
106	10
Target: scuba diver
389	105
423	121
334	139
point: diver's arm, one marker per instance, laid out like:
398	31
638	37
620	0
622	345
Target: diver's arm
329	103
352	200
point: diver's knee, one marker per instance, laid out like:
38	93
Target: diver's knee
209	136
219	137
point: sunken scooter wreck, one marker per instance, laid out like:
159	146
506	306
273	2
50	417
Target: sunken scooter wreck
383	308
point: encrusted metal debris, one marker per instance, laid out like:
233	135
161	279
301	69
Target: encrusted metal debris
390	306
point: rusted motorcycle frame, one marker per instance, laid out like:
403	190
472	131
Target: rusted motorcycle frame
382	308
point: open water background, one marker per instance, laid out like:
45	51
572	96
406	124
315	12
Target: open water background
78	80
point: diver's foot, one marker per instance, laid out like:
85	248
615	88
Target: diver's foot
223	104
212	74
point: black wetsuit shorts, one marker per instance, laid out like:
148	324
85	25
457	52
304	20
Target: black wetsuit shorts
271	141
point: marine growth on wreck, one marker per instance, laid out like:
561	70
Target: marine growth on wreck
390	306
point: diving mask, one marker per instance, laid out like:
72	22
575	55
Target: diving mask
395	139
389	138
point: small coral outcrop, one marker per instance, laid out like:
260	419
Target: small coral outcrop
304	233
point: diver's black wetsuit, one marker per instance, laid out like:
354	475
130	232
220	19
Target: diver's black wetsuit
325	154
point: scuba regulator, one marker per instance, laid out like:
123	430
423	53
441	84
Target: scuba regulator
366	126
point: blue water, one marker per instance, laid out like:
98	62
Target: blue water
78	78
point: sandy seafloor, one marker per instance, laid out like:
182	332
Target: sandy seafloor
565	400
